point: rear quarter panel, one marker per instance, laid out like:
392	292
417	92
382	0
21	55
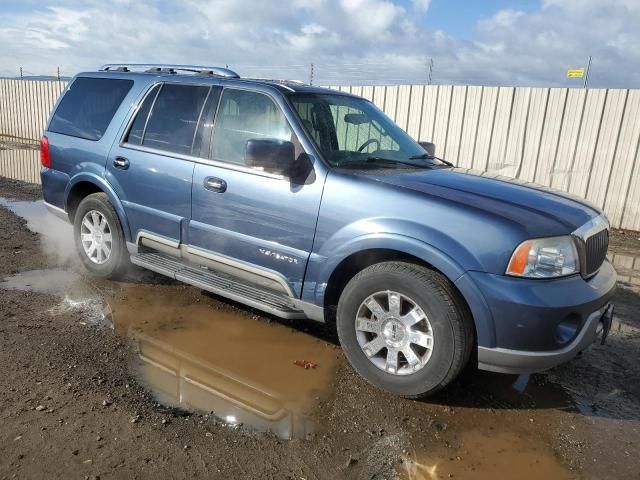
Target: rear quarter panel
73	156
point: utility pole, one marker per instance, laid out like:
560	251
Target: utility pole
586	75
311	75
21	78
58	73
430	81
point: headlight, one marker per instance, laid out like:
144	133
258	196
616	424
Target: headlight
544	258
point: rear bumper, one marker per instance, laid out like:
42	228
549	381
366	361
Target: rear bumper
505	360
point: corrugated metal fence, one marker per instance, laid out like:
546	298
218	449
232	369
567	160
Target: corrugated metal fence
25	106
581	141
24	109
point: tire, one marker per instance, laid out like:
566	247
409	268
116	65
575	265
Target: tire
116	263
424	292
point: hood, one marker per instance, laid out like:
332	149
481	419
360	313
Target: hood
540	211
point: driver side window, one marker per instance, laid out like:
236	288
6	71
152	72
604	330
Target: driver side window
244	115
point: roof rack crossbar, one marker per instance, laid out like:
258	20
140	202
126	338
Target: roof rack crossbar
164	68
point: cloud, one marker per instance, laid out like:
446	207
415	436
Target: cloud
371	18
349	41
540	46
421	5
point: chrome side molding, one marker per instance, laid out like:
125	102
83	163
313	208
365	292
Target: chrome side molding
57	211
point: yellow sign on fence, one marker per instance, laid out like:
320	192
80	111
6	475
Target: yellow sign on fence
575	73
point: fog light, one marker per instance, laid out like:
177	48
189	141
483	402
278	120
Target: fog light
567	329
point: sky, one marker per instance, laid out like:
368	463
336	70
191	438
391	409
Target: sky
357	42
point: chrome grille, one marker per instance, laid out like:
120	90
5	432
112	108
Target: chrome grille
593	242
596	251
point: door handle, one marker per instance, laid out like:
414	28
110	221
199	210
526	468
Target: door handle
121	163
214	184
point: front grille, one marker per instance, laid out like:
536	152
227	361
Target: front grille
595	251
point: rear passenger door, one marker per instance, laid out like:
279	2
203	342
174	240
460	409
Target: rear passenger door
151	168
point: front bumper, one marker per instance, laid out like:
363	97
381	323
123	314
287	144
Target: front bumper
504	360
537	324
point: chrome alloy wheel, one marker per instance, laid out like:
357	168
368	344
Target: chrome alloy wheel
95	235
394	333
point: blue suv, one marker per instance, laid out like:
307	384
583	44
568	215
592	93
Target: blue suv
305	202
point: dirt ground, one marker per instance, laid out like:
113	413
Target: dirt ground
148	378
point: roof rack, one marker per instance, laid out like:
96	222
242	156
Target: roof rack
170	69
276	80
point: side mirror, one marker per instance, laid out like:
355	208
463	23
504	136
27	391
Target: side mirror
271	155
429	147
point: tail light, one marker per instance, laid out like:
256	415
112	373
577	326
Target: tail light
45	154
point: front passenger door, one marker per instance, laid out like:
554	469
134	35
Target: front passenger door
248	218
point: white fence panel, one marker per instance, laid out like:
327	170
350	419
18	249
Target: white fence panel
585	142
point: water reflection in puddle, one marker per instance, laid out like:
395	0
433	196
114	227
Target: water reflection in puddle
488	455
219	361
627	267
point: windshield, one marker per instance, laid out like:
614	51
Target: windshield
352	132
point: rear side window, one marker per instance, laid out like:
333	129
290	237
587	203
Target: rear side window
202	140
88	107
172	124
137	129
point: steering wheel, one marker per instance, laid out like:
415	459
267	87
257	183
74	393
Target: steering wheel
369	142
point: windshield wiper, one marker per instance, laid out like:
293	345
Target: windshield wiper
396	161
426	156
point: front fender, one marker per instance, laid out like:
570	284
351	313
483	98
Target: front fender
103	185
321	267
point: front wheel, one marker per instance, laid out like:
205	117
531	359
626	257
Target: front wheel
404	328
99	238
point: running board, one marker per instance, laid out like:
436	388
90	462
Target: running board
221	284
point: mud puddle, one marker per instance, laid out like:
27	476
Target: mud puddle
245	371
48	281
484	435
76	295
56	235
192	356
487	455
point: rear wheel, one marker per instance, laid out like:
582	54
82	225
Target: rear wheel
99	237
404	328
